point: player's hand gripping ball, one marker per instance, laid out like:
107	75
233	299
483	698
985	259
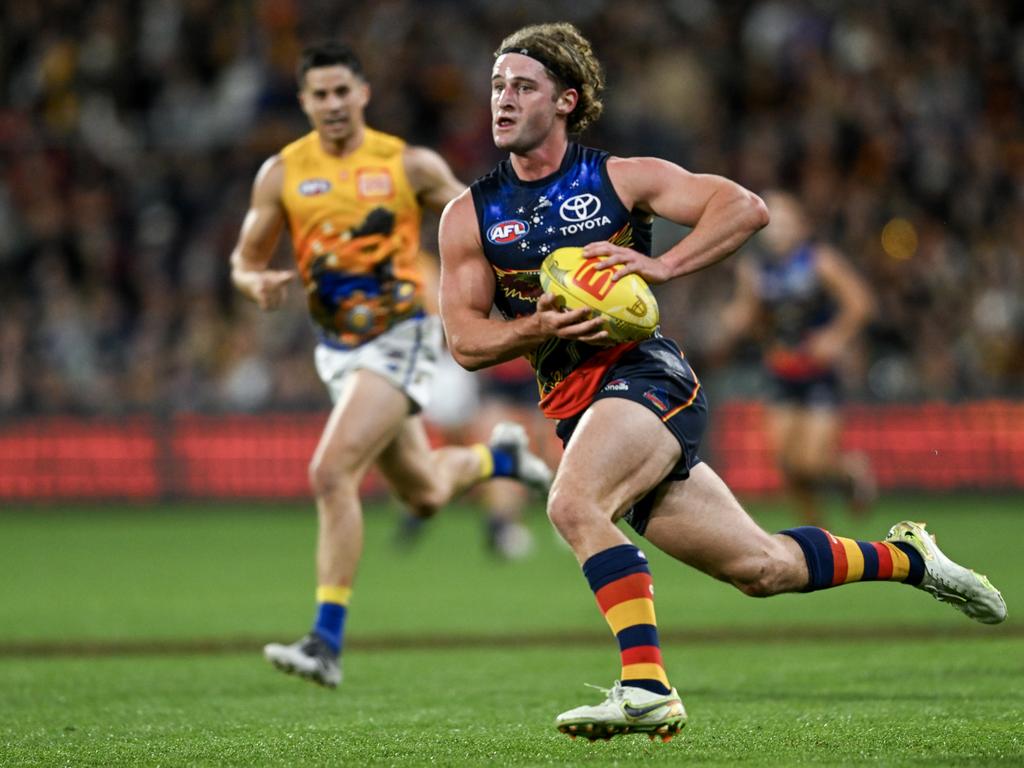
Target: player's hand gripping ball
627	305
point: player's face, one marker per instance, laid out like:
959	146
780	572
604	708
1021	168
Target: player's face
334	99
787	228
524	103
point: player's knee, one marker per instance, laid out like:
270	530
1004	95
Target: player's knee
567	513
327	480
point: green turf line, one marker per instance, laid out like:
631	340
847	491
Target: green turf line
440	641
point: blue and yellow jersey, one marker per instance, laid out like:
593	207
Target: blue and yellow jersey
796	304
521	222
355	228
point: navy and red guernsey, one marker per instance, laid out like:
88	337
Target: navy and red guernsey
796	304
521	222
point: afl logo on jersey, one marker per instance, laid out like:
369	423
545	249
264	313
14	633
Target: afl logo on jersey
505	232
314	187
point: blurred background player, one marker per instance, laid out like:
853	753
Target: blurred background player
806	305
466	408
351	198
509	393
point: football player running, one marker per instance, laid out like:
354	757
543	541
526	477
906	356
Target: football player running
807	305
631	415
352	199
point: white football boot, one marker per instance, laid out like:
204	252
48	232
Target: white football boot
529	468
949	582
509	539
310	658
626	710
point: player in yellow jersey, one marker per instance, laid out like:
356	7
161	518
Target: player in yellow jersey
351	198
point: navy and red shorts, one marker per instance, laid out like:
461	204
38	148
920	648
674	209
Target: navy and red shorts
820	391
655	375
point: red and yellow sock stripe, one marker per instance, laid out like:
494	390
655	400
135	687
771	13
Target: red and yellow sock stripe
867	561
628	607
835	560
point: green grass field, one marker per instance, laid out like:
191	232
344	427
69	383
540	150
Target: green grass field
131	636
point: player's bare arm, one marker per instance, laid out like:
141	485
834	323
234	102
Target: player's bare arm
852	298
477	340
261	229
739	315
722	213
431	178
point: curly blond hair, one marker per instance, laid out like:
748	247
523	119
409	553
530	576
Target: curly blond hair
569	60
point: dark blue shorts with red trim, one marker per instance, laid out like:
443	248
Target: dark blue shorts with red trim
820	391
655	375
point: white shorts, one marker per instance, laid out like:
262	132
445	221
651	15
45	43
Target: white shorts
406	355
456	395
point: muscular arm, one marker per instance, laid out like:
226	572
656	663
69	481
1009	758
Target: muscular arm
852	298
739	314
477	340
261	229
722	213
432	180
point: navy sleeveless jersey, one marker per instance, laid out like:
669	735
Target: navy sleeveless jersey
796	304
521	222
791	292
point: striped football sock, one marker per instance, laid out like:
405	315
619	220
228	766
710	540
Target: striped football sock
331	608
834	560
621	582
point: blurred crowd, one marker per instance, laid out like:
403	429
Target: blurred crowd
130	133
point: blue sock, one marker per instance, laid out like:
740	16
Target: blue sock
504	462
330	624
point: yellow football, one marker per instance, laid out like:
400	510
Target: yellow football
627	305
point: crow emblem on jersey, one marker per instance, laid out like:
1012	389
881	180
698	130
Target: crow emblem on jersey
523	284
509	231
